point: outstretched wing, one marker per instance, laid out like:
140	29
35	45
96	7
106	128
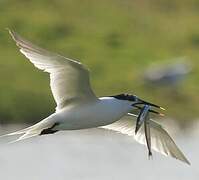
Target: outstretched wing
69	79
160	139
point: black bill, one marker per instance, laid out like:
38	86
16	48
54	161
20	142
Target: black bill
140	101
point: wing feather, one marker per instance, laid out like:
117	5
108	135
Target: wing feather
160	139
69	79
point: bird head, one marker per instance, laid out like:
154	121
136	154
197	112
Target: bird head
138	103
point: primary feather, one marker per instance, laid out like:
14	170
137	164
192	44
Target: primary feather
69	79
160	139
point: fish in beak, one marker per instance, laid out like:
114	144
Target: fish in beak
148	134
141	117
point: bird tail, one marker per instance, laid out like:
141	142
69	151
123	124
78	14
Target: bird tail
43	127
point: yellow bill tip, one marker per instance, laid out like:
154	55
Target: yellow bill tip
162	108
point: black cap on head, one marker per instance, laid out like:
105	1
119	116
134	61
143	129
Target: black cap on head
127	97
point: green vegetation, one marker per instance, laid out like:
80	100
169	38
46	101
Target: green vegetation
116	39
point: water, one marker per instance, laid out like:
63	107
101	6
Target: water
93	155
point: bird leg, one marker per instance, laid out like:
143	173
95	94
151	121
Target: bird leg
49	130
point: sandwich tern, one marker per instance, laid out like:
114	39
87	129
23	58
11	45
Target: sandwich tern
79	108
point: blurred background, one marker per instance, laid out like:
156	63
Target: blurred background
148	48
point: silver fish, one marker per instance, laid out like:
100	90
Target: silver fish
142	117
147	134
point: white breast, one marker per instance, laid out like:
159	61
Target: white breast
103	112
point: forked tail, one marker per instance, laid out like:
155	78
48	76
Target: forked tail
41	128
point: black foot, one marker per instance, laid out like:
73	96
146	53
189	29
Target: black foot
49	130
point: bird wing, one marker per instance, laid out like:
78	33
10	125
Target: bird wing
69	79
160	139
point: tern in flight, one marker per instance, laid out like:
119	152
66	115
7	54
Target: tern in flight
79	108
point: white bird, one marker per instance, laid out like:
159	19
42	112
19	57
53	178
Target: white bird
79	108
